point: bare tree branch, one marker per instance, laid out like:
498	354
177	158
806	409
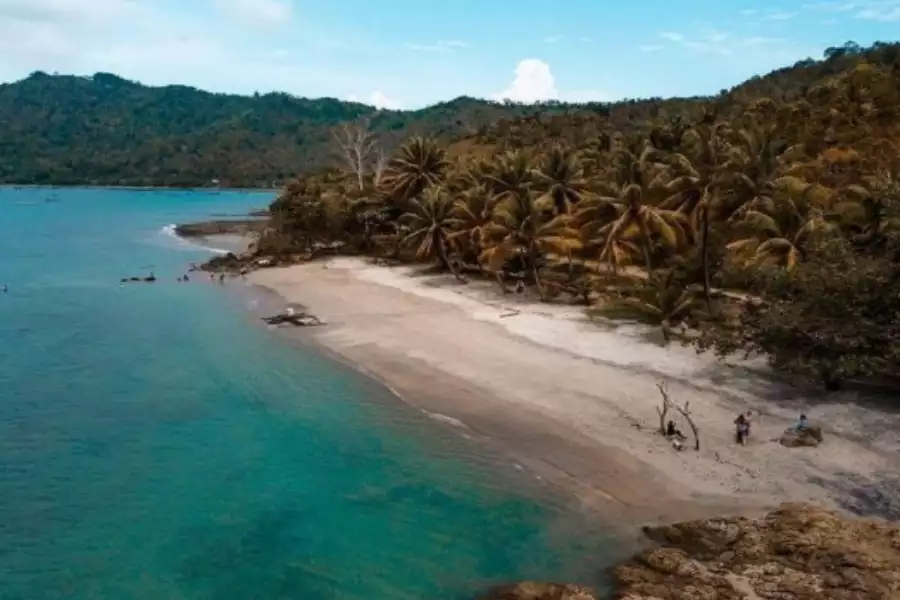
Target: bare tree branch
379	165
686	413
665	408
355	145
684	410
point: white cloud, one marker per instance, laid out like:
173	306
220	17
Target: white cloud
831	6
780	16
651	48
756	40
146	41
379	100
441	46
886	13
707	48
534	82
552	39
261	12
672	36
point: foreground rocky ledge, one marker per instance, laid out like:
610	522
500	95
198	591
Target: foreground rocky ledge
797	552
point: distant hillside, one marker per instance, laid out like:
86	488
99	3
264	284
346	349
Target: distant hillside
663	118
63	129
105	130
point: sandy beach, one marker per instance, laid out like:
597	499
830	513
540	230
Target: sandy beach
575	401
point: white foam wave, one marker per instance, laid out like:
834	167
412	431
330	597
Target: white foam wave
444	419
169	233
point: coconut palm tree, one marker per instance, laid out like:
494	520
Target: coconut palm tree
519	229
701	170
510	176
470	218
766	242
639	222
418	164
430	222
561	180
626	216
660	301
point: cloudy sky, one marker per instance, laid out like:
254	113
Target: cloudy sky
410	53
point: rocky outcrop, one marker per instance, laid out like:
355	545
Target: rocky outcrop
808	436
221	227
532	590
797	552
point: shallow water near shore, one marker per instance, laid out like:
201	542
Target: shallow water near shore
154	443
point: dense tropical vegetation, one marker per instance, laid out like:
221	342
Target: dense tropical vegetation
105	130
761	220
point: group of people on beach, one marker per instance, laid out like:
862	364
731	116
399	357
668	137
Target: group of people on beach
742	426
744	420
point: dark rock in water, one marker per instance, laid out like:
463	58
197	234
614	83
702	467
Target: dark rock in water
297	320
808	436
532	590
221	227
225	262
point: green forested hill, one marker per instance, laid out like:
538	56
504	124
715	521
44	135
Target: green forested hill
105	130
63	129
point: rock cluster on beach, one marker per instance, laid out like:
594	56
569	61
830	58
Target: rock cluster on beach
797	552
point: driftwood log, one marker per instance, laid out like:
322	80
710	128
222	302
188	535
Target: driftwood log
684	410
297	320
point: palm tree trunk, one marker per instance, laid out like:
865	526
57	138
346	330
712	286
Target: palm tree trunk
532	260
441	250
645	246
704	251
666	327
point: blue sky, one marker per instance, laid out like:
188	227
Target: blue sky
410	53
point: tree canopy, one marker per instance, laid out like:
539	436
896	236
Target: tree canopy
762	220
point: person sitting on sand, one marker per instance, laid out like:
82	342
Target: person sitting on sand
742	426
672	431
674	435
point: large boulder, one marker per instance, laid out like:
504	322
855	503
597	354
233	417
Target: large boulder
532	590
809	436
797	552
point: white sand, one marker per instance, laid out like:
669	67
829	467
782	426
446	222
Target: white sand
558	389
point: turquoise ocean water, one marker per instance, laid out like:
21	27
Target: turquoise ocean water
155	444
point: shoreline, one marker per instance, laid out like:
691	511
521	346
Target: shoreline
536	387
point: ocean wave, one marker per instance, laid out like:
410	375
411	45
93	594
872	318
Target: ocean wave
436	416
168	232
